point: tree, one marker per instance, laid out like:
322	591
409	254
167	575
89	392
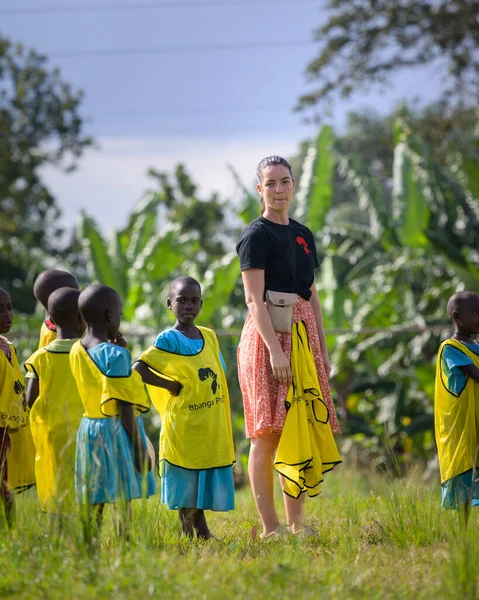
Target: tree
365	41
39	125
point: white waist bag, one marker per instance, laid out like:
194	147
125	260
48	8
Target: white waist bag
280	306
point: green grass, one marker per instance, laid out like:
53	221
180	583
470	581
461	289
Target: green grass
376	540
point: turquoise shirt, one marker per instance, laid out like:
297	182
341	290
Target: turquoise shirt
452	359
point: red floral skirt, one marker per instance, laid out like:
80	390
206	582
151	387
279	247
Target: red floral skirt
263	395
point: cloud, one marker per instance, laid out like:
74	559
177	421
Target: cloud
109	181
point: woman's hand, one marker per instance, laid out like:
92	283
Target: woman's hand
281	367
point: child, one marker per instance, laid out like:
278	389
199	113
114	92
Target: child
112	464
46	283
57	409
21	458
456	408
13	409
196	442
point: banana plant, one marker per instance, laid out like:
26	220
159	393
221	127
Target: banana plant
138	261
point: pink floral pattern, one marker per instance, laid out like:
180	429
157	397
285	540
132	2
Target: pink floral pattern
263	395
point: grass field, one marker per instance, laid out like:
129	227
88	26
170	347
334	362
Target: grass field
377	539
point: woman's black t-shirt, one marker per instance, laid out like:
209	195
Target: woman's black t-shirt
286	253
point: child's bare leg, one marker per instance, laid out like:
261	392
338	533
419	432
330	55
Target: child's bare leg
187	521
7	498
124	519
294	508
464	512
98	515
200	525
54	524
260	469
92	517
7	504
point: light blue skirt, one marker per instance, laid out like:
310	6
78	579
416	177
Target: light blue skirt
461	489
208	489
105	469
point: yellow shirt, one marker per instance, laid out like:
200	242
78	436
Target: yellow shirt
21	458
47	335
54	421
196	430
100	391
13	406
306	449
456	419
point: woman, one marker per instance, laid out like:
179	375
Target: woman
279	254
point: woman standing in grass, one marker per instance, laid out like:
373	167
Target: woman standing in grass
276	254
456	406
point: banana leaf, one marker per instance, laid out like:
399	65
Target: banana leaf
95	248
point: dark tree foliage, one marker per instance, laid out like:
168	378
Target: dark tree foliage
364	41
204	217
39	125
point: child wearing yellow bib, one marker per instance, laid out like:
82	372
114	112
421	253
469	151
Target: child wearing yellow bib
21	459
45	284
112	463
13	406
56	407
456	406
196	442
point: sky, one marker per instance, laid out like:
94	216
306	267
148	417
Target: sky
203	82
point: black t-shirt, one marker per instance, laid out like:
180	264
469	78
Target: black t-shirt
286	253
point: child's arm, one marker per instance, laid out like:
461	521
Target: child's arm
471	371
174	387
33	390
127	417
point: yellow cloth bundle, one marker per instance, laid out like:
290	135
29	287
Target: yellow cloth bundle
306	448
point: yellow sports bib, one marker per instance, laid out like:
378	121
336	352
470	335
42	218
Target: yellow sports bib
456	419
20	459
54	421
99	392
196	430
13	406
47	335
306	449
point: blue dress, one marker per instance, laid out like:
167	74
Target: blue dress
463	487
105	470
206	489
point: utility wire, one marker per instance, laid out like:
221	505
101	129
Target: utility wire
100	52
149	5
171	112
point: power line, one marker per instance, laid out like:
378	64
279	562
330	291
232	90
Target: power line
101	52
149	5
173	112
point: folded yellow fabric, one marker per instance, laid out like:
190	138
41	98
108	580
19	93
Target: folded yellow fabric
306	448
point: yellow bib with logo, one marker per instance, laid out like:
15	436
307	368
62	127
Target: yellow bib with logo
54	421
456	419
15	415
196	430
13	406
99	392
